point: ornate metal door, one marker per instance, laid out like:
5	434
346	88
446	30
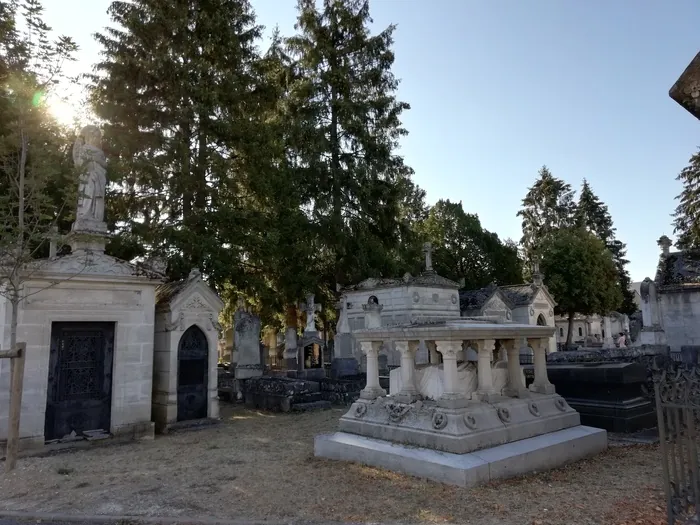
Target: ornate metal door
192	375
79	394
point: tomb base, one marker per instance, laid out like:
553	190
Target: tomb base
465	428
538	453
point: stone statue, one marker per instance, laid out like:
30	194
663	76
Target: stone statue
88	155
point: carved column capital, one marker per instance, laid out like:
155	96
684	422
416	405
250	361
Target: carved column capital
407	348
509	344
484	345
371	348
539	343
449	349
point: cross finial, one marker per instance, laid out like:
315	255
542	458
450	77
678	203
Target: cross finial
428	253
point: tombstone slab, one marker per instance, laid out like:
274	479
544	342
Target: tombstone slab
247	343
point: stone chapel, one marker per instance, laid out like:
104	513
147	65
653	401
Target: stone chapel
111	349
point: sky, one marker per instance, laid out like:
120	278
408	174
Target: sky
499	88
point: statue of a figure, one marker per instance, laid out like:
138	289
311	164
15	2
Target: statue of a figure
88	155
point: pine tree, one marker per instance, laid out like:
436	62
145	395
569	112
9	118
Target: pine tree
178	89
593	215
686	224
348	127
548	205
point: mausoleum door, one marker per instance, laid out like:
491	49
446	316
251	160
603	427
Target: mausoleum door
79	394
192	375
541	321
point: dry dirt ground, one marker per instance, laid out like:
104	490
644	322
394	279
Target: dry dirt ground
261	466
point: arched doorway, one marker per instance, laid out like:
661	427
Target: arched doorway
541	321
192	375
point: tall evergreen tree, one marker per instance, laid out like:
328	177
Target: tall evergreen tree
593	215
178	89
548	205
686	223
345	139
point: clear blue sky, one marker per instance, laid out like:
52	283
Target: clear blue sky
500	87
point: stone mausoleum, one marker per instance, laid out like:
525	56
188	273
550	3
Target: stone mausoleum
671	301
111	350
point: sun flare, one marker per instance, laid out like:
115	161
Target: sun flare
63	111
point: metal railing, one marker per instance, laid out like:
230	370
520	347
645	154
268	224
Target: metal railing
677	394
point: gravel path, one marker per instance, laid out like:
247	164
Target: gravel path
261	466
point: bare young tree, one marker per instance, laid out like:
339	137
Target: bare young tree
36	175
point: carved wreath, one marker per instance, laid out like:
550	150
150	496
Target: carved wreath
560	404
470	421
534	409
504	414
397	411
439	420
360	410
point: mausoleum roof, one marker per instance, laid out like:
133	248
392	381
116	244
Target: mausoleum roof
167	293
471	300
520	294
428	279
680	268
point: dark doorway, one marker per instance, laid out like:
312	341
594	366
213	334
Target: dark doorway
541	321
79	396
192	375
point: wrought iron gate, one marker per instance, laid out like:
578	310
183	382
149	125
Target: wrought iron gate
677	393
192	376
79	396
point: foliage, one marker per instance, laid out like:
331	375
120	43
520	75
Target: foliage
36	177
592	214
580	273
463	249
547	206
178	91
360	199
686	223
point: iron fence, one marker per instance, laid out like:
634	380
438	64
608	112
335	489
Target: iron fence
677	395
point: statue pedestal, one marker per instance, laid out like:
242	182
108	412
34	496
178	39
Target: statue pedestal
88	236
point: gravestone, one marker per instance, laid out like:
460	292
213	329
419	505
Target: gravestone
247	343
344	363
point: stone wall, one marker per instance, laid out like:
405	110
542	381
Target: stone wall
680	312
127	302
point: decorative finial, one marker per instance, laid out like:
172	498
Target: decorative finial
194	274
537	277
428	253
665	245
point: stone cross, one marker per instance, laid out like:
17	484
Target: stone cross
428	253
311	308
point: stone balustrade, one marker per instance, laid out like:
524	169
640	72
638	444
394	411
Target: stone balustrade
447	338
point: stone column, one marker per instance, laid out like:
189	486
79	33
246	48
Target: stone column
408	392
432	353
485	390
515	386
373	390
541	385
452	397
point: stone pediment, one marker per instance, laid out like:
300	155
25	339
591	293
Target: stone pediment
91	264
191	294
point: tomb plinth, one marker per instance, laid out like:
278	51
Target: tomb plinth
459	428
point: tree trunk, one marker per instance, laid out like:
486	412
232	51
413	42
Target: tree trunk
336	185
570	331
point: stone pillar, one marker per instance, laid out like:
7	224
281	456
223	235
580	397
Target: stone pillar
515	386
541	385
433	354
408	392
373	390
452	397
609	339
485	390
